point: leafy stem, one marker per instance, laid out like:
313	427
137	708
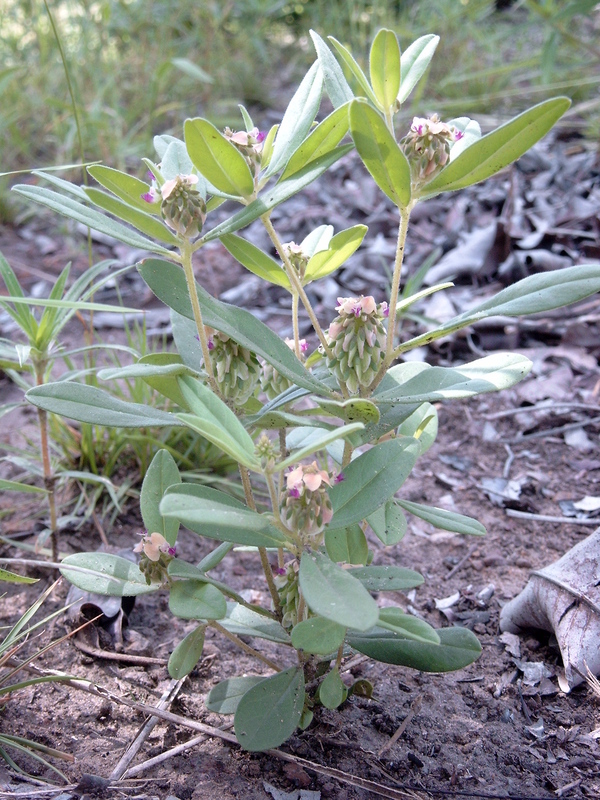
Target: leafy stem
295	281
262	551
390	353
295	324
186	262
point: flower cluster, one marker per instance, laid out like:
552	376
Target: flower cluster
272	382
297	258
358	339
237	369
182	206
250	145
157	553
304	505
427	146
267	452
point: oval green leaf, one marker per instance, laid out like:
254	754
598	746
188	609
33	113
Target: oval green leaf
384	67
269	712
387	579
318	636
446	520
415	60
334	594
103	573
498	149
187	654
458	648
297	119
192	599
255	260
89	404
340	248
141	220
217	159
347	545
218	516
321	141
224	698
394	619
332	691
380	153
161	474
372	479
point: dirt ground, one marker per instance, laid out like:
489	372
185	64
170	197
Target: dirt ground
490	730
471	731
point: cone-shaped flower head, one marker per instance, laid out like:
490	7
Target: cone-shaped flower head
182	206
427	147
237	370
358	339
304	505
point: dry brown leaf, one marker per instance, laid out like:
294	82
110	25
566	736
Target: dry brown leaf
564	598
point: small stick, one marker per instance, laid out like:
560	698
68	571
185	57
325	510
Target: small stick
174	751
461	563
572	426
511	512
126	658
545	405
414	708
134	748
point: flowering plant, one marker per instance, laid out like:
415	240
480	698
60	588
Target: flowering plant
330	435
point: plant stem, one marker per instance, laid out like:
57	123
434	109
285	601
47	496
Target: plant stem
402	231
395	289
347	454
186	262
46	465
295	281
295	324
262	551
340	654
245	647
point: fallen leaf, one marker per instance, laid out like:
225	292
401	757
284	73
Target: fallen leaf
588	503
564	598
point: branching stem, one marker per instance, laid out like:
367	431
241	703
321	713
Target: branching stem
295	281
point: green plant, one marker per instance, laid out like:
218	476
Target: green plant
30	362
362	418
10	666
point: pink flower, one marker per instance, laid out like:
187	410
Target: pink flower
306	477
150	195
152	545
168	187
